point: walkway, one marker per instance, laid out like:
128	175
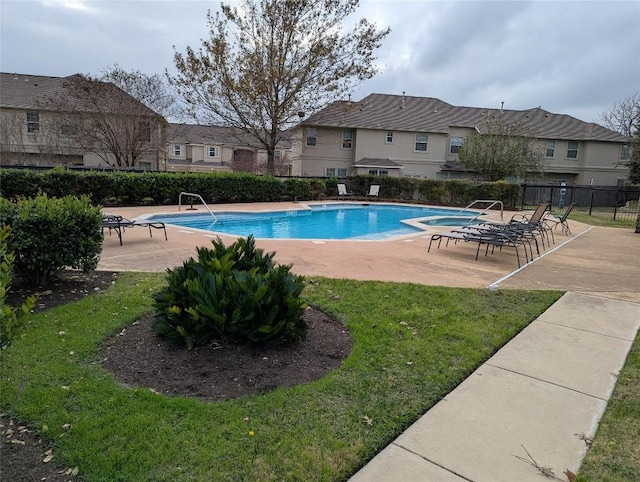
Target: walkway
540	392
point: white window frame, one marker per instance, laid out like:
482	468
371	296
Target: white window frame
347	139
311	136
455	142
550	149
570	149
421	139
330	172
388	137
378	172
341	172
216	152
33	122
624	152
177	150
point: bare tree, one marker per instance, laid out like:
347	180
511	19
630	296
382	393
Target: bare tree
269	61
501	149
109	122
623	116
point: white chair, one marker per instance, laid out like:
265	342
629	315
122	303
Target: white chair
374	190
342	190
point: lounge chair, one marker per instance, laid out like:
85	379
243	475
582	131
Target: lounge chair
342	190
114	222
562	220
374	190
493	237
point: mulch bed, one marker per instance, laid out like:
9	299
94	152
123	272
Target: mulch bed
137	357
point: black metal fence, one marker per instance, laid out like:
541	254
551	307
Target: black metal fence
619	202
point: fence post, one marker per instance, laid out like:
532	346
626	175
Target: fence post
591	201
524	188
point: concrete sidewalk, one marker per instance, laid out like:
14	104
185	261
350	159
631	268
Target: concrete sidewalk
540	392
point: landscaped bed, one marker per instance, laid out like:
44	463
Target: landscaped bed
411	345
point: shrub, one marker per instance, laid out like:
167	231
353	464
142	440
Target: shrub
48	235
11	319
234	291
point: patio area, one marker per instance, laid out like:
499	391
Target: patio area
591	260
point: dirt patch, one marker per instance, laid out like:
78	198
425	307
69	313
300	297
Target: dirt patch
138	357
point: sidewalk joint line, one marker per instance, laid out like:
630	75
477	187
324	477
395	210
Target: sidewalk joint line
547	381
432	462
495	284
586	331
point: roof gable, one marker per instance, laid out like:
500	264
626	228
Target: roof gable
428	114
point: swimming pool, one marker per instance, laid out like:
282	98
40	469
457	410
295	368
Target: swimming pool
322	221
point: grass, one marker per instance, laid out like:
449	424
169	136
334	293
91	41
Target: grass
412	345
600	218
615	453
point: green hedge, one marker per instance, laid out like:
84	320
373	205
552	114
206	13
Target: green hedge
128	188
49	235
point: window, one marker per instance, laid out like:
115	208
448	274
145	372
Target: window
421	142
277	154
144	128
347	139
212	151
69	129
572	150
378	172
456	144
176	150
312	136
624	152
33	122
621	181
550	149
388	139
335	172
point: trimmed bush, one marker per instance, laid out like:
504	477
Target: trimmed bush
11	319
235	292
49	235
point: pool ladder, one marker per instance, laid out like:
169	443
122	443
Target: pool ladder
484	211
193	195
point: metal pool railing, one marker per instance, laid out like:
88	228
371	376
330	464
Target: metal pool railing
198	196
484	211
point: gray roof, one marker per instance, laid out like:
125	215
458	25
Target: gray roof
428	114
37	92
214	135
367	162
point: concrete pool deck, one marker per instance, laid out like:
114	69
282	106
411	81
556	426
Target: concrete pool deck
541	392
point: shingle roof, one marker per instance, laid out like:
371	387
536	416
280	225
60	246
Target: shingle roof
366	162
37	92
214	135
428	114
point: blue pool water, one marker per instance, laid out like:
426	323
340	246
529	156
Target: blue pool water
321	221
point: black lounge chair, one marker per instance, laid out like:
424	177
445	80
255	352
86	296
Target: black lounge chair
562	220
490	237
119	223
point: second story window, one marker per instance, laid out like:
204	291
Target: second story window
421	142
388	138
572	150
176	150
456	144
347	139
311	135
550	149
212	151
33	122
624	152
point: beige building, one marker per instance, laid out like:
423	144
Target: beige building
419	137
73	121
200	148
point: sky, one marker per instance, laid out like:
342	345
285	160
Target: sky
576	58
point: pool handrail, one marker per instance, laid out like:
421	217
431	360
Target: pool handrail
215	219
484	211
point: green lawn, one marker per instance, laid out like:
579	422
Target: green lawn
412	345
605	219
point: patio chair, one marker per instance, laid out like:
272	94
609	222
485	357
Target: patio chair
342	190
562	219
536	222
114	222
374	190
